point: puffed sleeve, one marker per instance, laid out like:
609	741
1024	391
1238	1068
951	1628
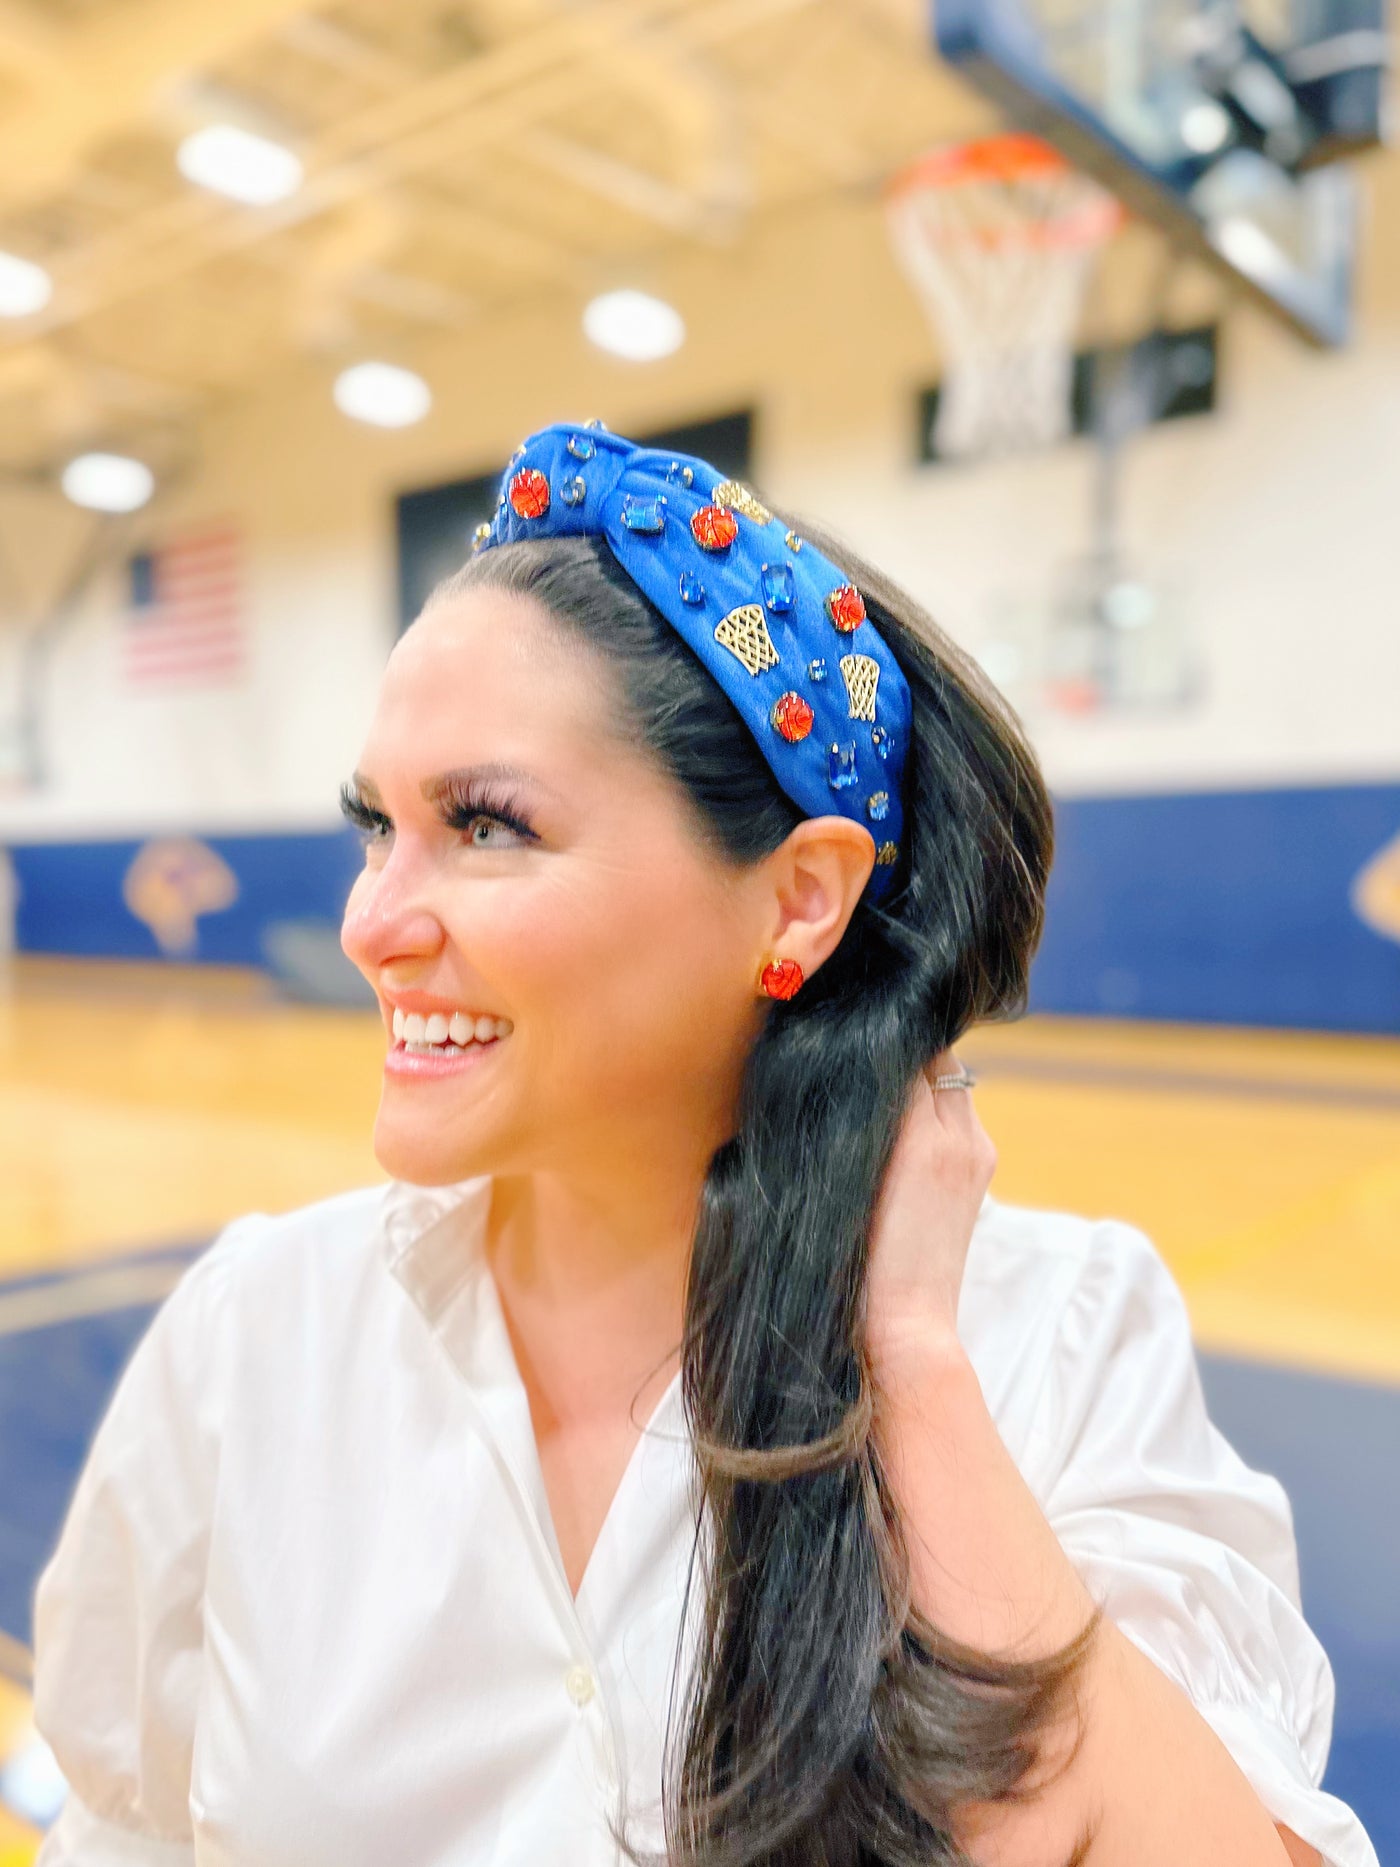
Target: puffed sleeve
118	1609
1189	1551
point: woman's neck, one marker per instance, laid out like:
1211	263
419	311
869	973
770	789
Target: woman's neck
591	1269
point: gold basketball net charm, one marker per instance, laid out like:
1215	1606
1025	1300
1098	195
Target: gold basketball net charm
745	634
861	673
740	498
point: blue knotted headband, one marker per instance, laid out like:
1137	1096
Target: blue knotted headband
776	623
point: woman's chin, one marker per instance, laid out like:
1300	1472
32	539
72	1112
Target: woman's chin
426	1159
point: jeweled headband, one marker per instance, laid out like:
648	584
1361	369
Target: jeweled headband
775	622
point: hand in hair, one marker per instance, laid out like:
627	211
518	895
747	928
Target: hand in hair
938	1175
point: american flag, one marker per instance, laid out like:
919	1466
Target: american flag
185	625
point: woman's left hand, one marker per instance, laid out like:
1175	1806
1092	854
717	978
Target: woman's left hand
938	1176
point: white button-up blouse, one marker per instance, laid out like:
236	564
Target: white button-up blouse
307	1608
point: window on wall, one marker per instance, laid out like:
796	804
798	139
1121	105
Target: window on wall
435	523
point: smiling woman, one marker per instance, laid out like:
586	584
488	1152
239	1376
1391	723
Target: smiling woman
677	857
726	1405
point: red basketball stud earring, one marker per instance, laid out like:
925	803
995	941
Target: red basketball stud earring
782	978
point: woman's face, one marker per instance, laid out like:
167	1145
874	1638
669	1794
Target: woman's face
621	955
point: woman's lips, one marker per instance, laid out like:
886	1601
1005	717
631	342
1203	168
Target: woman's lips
446	1060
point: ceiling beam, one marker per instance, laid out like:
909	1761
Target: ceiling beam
104	75
408	145
480	106
29	44
442	214
634	190
695	106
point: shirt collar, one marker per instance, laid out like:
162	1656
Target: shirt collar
431	1258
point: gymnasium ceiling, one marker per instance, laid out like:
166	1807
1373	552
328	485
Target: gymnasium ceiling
460	155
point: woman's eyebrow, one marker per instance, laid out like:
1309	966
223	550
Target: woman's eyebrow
436	788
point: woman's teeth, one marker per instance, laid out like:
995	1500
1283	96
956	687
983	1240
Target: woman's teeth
438	1032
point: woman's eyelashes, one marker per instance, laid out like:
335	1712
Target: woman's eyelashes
370	823
462	808
460	811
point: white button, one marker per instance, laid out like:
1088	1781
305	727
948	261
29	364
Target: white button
578	1683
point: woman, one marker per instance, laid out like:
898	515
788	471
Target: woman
716	1431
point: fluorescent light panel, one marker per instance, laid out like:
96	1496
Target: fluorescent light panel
233	162
382	394
108	482
24	287
634	325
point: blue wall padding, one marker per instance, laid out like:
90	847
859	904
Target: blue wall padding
71	895
1228	907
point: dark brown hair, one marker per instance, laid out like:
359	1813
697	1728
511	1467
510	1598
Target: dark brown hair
826	1722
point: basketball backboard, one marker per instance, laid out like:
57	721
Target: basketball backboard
1221	120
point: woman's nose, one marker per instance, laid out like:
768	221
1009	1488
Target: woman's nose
388	917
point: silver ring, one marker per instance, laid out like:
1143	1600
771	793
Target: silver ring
963	1080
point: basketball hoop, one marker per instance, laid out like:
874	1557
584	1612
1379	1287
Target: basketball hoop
998	237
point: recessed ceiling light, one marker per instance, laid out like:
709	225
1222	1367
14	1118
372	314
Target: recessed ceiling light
383	394
24	287
1205	127
108	482
634	325
234	162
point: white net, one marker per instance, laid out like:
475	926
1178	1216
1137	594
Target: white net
999	238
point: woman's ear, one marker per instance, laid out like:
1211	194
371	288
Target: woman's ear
817	876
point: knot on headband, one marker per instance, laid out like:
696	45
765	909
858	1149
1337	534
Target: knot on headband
775	623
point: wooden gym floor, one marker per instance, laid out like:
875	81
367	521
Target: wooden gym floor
142	1107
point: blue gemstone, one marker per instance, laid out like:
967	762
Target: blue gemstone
879	805
677	471
841	766
692	590
816	670
643	515
880	739
573	492
582	446
779	591
792	541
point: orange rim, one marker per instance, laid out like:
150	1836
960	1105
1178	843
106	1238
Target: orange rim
1012	157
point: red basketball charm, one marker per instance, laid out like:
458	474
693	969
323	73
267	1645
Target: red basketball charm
529	494
792	717
846	608
782	979
714	527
